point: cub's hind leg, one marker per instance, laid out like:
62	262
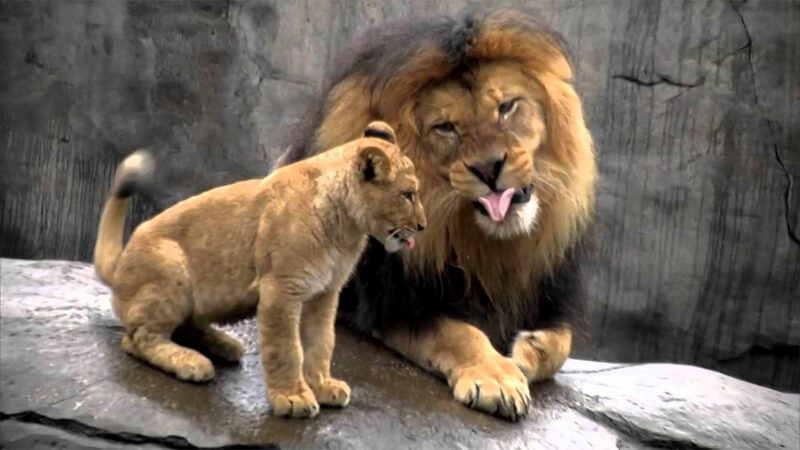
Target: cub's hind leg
155	301
317	327
279	310
212	341
151	324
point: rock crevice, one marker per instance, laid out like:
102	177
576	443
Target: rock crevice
659	79
787	196
78	428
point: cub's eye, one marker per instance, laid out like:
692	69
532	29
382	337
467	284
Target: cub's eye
507	108
445	128
409	195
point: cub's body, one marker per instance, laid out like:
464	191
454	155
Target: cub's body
282	247
188	243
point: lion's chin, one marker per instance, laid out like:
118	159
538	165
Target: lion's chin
520	220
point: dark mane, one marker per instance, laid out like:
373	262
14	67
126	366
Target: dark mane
381	50
375	76
380	296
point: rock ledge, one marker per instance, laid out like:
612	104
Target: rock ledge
66	383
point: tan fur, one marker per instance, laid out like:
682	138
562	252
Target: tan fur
281	247
480	377
547	144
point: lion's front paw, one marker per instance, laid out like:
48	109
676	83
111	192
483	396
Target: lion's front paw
496	386
540	354
332	392
297	405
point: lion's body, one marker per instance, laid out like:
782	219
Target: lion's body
282	246
485	107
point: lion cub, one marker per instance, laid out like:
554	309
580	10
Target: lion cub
281	247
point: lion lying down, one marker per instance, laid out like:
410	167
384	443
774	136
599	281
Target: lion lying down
484	104
282	246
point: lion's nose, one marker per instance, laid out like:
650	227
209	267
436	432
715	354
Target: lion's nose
488	171
420	227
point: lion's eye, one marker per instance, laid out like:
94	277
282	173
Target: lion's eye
445	128
409	195
507	108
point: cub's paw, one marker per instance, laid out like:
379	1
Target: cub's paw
192	366
297	405
186	364
496	386
226	347
332	392
540	354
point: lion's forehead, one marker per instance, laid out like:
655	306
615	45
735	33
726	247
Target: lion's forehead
477	90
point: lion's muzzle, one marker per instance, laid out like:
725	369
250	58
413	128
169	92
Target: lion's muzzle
495	204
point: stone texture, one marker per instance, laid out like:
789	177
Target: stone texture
693	106
67	384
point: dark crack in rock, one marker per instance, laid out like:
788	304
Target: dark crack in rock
27	435
65	382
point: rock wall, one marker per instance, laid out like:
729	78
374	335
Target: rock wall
694	107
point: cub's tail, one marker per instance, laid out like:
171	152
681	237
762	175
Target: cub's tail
134	171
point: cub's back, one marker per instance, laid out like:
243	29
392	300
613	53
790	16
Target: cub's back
213	207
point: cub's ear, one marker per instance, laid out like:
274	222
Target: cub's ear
381	130
373	164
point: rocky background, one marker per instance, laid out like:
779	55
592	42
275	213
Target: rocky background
694	105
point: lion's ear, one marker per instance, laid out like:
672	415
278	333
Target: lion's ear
373	164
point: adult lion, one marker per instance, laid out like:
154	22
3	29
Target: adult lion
484	106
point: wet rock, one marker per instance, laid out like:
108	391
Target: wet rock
693	106
66	383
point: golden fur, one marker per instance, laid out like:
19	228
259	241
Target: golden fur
509	99
281	247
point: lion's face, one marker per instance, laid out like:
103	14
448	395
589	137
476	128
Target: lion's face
480	133
485	107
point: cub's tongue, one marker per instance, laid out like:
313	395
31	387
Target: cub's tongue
497	203
410	243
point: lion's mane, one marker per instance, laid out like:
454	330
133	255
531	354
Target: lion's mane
527	282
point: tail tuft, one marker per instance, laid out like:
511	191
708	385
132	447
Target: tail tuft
133	174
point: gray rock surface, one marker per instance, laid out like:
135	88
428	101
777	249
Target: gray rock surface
67	384
693	106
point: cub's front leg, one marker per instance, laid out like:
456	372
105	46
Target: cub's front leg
279	312
319	336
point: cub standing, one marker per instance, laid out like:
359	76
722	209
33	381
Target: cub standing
281	247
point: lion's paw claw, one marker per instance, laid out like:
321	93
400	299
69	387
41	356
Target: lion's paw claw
497	387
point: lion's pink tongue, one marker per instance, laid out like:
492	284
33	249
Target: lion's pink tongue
497	203
411	243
